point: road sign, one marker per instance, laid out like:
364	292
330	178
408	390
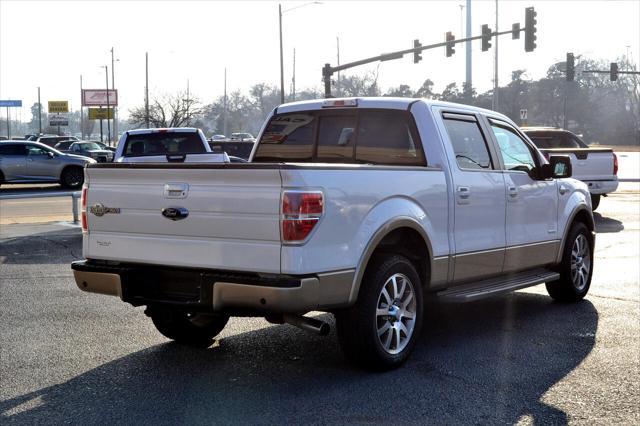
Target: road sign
100	114
58	120
523	114
58	106
10	103
93	97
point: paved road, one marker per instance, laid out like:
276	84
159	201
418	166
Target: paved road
71	357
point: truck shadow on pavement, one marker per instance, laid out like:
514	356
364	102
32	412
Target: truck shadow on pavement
487	362
606	224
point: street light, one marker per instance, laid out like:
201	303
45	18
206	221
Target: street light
106	79
280	12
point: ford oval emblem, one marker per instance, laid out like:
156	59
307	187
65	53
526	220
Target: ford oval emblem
175	213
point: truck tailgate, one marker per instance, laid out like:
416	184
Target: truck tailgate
231	223
588	163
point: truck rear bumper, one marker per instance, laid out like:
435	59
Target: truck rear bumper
601	186
213	290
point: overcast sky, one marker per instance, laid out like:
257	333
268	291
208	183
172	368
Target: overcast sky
51	43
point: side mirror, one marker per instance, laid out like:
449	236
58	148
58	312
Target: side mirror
559	167
50	154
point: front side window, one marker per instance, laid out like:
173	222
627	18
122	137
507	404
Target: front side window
36	150
469	145
516	154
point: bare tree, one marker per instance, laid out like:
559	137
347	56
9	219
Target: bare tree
179	110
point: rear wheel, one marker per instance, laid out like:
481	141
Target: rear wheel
72	177
595	201
188	328
381	329
1	178
576	268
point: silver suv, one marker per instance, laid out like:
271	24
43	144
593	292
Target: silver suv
34	162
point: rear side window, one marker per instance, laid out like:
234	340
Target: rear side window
12	149
342	135
468	144
163	143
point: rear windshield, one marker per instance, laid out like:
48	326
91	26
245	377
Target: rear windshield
555	140
342	136
163	143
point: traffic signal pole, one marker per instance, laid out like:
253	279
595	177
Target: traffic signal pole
328	70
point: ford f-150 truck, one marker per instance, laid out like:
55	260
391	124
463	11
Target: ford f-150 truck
597	167
365	208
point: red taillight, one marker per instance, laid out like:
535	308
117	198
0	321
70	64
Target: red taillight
83	206
301	211
615	164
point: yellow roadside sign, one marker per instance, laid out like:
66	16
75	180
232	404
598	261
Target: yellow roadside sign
58	106
100	114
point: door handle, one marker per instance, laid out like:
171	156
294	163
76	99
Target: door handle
513	191
562	189
464	192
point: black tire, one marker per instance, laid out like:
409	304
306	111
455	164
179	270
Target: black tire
595	201
188	329
358	327
574	286
72	177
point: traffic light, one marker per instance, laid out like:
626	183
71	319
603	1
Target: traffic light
486	37
571	67
417	56
530	29
613	71
450	44
515	31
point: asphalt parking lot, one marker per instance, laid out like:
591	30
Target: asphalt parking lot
71	357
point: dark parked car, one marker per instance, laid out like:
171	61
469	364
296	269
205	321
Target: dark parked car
53	140
29	162
233	149
89	149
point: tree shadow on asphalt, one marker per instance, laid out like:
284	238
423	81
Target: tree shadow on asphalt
485	362
606	224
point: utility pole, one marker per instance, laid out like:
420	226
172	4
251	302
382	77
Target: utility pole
281	59
293	79
146	88
224	112
113	86
339	93
106	78
39	113
495	68
468	53
81	111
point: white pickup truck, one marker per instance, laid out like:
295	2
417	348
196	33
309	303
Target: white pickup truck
364	208
597	167
172	144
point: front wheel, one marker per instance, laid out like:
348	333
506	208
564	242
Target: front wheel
381	329
576	268
188	328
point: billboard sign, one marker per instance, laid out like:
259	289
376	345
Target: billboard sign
58	106
100	114
58	120
98	97
10	103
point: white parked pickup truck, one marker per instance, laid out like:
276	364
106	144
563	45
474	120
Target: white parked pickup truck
174	144
364	208
597	167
